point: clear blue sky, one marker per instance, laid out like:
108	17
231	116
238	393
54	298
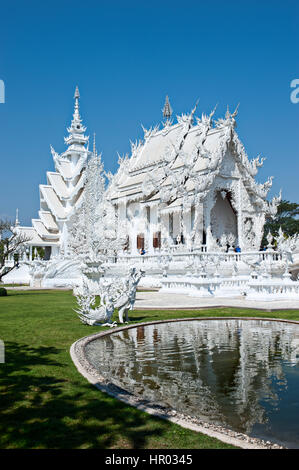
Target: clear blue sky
125	57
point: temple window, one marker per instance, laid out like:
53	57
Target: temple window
140	241
157	240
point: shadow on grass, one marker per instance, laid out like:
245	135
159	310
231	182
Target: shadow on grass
40	410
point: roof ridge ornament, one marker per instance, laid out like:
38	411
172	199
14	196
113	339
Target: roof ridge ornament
193	112
167	113
194	109
229	115
229	120
167	110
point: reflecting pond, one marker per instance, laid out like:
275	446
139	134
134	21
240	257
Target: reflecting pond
242	374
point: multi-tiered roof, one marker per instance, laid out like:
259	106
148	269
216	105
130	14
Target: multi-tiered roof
61	196
183	160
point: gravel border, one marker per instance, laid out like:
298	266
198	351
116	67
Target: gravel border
77	352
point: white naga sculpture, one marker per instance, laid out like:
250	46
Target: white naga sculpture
91	315
114	293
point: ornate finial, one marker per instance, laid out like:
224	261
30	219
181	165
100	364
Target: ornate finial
194	109
76	111
167	110
76	129
77	94
214	110
227	114
236	110
17	222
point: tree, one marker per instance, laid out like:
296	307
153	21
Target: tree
11	245
287	218
93	232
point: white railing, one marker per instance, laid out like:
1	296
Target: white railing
274	288
184	255
264	290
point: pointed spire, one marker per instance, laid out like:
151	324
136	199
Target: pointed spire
76	130
17	222
77	94
76	114
167	110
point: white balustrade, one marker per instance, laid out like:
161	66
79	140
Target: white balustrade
181	254
272	289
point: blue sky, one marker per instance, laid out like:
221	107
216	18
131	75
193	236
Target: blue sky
125	57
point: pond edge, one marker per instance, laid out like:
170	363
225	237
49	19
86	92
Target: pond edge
78	356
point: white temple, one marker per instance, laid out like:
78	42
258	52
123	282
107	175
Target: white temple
185	201
191	183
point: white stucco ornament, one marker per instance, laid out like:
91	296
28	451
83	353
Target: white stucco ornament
114	293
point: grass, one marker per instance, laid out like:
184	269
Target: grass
46	403
13	285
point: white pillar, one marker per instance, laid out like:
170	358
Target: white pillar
208	228
240	216
186	223
153	227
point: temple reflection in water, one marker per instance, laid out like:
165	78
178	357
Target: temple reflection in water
229	372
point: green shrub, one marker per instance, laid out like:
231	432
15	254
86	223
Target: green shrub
3	291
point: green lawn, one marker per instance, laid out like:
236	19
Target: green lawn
46	403
13	285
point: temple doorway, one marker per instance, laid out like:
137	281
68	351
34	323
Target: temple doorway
223	216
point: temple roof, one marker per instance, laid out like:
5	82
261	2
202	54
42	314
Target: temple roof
42	231
58	184
157	147
53	201
34	238
48	220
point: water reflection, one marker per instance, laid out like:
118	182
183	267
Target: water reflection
240	373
